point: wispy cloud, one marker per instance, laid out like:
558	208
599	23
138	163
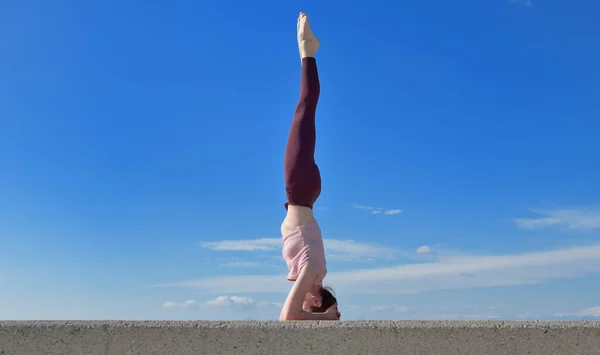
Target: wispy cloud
392	212
341	250
527	3
593	312
389	308
186	304
444	274
459	316
376	210
240	264
590	312
528	316
423	250
347	250
223	302
261	244
362	207
473	308
581	219
377	308
237	301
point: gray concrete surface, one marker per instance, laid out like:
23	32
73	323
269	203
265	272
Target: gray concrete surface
266	338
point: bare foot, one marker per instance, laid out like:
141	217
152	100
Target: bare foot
308	44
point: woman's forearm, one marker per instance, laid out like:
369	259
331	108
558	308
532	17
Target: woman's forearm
314	316
303	315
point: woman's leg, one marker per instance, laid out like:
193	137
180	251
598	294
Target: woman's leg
302	176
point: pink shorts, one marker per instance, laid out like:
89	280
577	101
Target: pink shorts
304	246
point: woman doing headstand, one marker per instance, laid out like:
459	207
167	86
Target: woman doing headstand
303	248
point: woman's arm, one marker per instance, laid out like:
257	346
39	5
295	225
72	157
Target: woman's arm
292	309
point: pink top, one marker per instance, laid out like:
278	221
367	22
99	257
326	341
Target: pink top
305	246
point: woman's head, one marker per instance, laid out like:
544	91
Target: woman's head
326	299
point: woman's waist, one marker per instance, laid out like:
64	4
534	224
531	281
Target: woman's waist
299	215
305	233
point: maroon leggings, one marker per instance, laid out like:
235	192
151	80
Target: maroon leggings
302	176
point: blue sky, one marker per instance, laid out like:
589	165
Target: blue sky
141	150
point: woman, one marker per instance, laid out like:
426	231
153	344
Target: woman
303	248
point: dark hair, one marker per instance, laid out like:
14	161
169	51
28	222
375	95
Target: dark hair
327	300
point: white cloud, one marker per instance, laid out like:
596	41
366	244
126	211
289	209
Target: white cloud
186	304
261	244
475	308
587	313
528	3
376	308
346	250
376	210
389	308
444	274
423	250
240	264
528	316
362	207
466	317
575	219
237	301
341	250
590	312
228	301
393	212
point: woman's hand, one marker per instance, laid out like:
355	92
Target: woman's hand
332	312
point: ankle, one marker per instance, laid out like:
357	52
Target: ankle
304	53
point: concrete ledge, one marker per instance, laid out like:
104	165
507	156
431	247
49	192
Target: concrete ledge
305	338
